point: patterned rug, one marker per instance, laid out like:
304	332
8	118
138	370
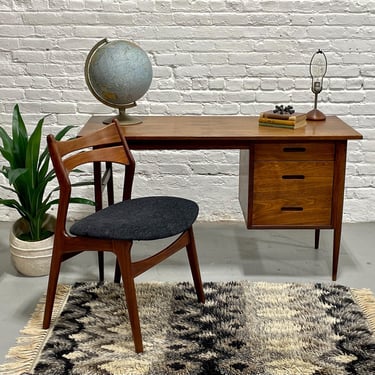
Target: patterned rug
243	328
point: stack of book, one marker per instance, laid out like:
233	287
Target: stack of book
282	120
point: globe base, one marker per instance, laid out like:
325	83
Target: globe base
123	118
128	120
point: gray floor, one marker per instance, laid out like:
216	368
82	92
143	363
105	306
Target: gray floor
227	251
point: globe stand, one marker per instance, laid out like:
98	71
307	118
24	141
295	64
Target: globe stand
123	118
118	73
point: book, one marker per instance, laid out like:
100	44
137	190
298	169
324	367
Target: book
297	116
282	122
286	126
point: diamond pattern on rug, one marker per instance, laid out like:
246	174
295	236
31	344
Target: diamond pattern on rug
243	328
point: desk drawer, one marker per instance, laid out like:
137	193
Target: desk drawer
292	193
279	172
283	212
294	151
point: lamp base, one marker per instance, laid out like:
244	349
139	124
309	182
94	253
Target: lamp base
315	115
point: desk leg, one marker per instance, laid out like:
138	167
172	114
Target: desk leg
109	183
338	202
100	183
98	206
317	238
336	251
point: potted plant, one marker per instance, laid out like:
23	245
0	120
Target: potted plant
28	174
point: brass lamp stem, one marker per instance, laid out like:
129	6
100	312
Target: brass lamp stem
315	114
316	101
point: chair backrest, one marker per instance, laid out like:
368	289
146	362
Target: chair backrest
107	144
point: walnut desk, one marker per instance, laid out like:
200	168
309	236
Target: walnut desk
287	178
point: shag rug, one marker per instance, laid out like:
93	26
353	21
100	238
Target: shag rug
243	328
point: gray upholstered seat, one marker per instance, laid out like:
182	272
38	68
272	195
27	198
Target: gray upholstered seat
148	218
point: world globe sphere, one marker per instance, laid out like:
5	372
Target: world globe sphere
118	73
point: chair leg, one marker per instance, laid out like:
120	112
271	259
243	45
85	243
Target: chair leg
51	289
101	265
124	261
117	277
194	266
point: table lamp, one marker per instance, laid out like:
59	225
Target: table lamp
318	69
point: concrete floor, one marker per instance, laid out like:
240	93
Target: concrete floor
227	251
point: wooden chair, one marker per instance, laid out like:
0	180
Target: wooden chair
115	227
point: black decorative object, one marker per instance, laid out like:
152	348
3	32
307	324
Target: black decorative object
318	69
280	109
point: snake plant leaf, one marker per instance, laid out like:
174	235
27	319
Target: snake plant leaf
19	130
83	183
14	174
44	157
20	138
7	149
63	132
78	200
72	199
32	152
12	203
8	188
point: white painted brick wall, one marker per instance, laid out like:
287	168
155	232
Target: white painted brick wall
209	57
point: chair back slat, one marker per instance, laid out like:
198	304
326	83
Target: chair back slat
106	145
108	135
114	154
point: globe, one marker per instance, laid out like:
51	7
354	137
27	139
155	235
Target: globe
118	73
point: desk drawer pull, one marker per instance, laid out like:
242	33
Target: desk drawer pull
291	208
293	177
294	149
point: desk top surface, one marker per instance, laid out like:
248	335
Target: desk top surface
230	129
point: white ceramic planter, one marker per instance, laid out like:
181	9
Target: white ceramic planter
31	258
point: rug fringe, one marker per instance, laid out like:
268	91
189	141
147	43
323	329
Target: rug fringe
366	300
22	357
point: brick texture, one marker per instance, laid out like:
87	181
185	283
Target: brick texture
209	57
